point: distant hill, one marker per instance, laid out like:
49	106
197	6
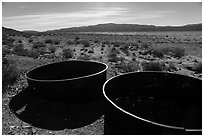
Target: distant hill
30	31
8	31
111	27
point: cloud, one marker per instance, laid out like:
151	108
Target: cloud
79	18
26	21
150	14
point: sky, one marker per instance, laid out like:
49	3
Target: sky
42	16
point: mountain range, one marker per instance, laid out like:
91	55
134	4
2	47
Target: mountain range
110	27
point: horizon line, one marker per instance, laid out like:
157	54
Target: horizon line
106	23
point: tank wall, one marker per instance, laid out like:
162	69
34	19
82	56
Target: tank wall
66	70
182	90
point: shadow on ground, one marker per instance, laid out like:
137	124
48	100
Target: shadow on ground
53	115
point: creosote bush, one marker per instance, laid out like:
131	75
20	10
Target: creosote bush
76	38
105	42
116	43
38	45
96	41
52	49
145	45
30	40
113	55
198	67
176	52
124	49
84	57
56	42
151	66
7	41
86	43
10	73
19	50
34	54
5	51
67	53
49	41
128	67
157	52
70	42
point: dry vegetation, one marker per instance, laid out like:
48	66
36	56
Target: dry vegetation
172	52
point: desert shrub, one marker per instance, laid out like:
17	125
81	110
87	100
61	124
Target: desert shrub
121	59
4	37
166	50
27	35
41	50
145	45
34	54
19	50
171	67
116	44
112	56
38	45
49	41
77	42
86	43
105	42
7	41
151	66
124	49
96	41
145	52
134	46
5	51
128	67
56	42
52	49
10	73
67	53
84	57
198	67
30	40
178	52
70	42
76	38
157	52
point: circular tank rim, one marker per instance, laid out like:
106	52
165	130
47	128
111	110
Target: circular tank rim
69	79
145	120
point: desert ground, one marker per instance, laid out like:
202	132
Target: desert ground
176	52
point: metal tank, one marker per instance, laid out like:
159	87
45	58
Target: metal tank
72	80
153	103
